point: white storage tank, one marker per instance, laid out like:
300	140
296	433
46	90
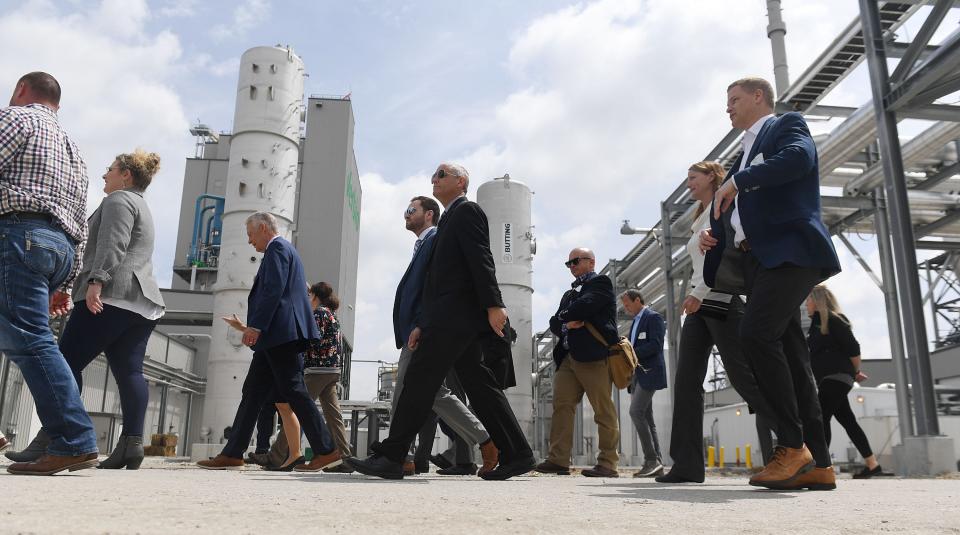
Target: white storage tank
507	204
261	176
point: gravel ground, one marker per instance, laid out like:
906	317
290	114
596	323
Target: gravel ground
173	497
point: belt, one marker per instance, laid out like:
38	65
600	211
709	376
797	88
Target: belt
27	215
744	246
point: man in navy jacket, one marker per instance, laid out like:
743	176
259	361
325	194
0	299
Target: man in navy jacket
279	325
582	368
769	209
646	334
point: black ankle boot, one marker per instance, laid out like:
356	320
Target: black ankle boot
128	454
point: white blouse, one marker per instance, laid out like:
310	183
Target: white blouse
698	288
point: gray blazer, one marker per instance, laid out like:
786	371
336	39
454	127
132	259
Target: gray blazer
120	249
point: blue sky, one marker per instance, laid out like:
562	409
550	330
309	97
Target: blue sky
600	106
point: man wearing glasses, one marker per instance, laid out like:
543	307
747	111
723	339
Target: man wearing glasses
581	361
461	301
419	218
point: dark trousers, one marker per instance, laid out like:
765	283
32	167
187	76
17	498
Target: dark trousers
265	426
276	371
440	351
697	338
421	456
463	450
122	336
776	347
834	402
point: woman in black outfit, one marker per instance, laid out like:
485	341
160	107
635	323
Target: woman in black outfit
835	359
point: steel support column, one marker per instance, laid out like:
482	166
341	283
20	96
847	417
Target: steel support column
671	314
889	289
908	284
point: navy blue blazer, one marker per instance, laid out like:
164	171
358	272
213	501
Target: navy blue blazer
278	304
594	303
648	345
780	202
406	303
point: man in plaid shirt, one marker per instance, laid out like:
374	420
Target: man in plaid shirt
43	194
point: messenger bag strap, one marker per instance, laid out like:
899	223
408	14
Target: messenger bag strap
596	334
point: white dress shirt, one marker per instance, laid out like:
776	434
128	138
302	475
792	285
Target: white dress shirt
748	138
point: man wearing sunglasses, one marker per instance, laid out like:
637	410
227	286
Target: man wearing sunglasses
420	218
581	362
461	302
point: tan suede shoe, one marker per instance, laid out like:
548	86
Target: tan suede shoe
816	479
319	462
49	464
490	455
221	462
786	464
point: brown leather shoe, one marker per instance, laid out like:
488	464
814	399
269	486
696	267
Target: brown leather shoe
319	462
490	455
816	479
221	462
409	469
49	464
547	467
786	464
600	471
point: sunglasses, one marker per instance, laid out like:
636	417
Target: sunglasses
441	173
576	261
410	211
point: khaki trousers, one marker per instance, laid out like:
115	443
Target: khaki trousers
322	386
571	381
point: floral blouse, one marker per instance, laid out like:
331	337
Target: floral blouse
325	352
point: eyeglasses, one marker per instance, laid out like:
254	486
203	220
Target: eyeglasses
441	173
410	211
576	261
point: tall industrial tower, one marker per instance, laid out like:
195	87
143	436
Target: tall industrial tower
261	176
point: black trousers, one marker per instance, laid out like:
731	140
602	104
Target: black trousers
697	337
776	347
265	426
277	372
440	351
421	455
834	402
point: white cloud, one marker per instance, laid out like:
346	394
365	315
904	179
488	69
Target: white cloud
179	8
117	93
245	16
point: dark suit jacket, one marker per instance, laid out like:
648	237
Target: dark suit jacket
406	304
278	304
594	303
461	280
498	355
780	202
649	350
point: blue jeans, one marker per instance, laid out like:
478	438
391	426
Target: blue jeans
35	258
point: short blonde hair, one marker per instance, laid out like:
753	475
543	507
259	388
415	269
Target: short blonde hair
708	168
142	166
753	83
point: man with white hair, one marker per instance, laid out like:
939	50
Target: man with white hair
279	326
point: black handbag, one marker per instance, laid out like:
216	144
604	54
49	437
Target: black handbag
730	278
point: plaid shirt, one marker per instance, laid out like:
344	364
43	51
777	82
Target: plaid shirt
41	171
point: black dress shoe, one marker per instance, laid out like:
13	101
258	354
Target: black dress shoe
440	461
288	467
467	469
377	465
421	468
670	477
508	470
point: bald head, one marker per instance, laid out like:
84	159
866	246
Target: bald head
581	261
36	88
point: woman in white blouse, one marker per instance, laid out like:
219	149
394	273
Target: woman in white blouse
713	318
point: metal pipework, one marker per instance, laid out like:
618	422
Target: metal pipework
776	30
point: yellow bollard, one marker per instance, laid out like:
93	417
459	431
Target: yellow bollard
749	458
738	455
711	455
720	460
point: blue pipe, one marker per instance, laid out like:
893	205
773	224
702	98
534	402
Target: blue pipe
218	206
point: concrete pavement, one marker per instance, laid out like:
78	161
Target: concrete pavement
174	497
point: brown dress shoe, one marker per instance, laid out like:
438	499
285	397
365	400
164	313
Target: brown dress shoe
49	464
409	469
319	462
547	467
221	462
816	479
786	464
600	471
490	455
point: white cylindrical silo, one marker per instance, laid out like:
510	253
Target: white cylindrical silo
261	176
507	204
